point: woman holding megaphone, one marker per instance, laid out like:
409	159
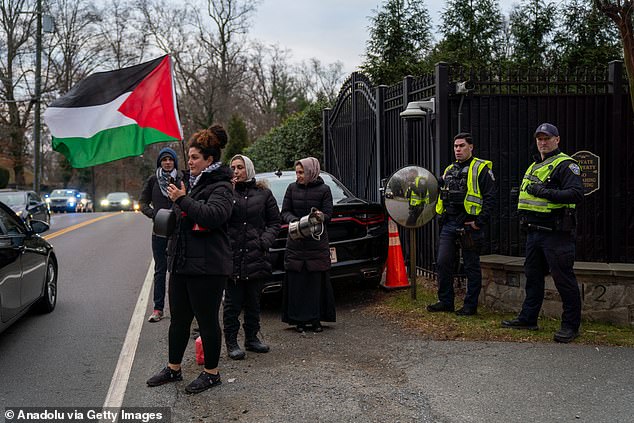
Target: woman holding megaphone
308	298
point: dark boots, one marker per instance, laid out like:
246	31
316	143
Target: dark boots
233	349
254	344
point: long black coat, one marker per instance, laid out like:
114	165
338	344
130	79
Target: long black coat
254	224
206	251
298	201
152	199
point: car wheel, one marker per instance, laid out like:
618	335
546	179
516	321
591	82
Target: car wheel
47	303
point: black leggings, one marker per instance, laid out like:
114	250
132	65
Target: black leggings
195	296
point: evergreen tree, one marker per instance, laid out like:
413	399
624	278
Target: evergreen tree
299	136
473	33
532	30
586	37
621	13
238	138
400	37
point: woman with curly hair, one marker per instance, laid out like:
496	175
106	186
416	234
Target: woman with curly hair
199	257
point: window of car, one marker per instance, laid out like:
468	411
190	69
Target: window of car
118	196
278	186
9	225
34	199
64	193
12	198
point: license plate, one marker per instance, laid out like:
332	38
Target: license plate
333	255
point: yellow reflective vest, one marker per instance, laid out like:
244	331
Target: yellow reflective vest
473	199
416	199
538	173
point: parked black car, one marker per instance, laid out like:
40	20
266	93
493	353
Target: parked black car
28	268
357	232
63	200
26	204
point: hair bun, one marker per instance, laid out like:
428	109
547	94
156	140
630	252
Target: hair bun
220	134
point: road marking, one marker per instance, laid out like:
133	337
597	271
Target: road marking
77	226
126	357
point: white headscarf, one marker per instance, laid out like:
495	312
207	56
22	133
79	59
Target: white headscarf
248	165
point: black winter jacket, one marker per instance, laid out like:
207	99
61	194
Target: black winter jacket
298	201
254	224
152	199
205	251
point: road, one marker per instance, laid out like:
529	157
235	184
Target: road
363	368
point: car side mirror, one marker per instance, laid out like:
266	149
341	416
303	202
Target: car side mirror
38	226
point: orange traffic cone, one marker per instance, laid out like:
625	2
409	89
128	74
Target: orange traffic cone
396	274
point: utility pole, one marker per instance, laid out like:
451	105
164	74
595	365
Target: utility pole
37	158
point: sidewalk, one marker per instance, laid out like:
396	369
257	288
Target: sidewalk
365	368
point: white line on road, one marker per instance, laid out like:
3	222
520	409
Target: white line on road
121	374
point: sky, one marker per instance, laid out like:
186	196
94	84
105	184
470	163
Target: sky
329	30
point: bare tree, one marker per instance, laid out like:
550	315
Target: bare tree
621	12
274	91
122	31
321	82
16	97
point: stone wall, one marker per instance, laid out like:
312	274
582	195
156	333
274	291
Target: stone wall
607	289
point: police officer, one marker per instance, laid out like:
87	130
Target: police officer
417	195
467	198
549	192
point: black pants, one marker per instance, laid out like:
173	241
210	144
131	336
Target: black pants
554	253
200	297
242	295
447	264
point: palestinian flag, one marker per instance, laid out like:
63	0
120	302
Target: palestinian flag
112	115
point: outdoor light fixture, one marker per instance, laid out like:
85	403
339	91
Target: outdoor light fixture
464	87
418	109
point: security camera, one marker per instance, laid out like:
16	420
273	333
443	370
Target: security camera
464	87
418	109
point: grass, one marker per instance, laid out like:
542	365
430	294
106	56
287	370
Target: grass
485	326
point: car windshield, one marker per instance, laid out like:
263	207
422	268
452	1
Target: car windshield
278	186
13	198
63	193
118	196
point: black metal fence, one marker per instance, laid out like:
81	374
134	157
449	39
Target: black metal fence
365	141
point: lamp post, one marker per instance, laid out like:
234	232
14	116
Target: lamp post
44	23
416	110
38	91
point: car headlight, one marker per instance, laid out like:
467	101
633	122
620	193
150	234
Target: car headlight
105	203
19	213
125	202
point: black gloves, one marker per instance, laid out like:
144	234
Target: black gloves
536	190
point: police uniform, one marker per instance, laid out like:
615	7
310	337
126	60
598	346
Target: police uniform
418	196
468	194
549	192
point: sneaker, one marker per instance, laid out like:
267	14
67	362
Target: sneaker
439	307
317	327
203	382
155	316
166	375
